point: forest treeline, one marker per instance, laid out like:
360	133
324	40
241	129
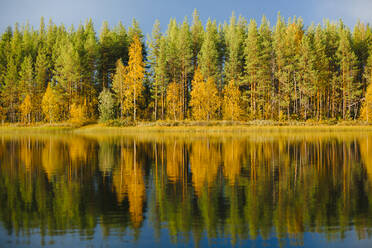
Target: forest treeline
236	70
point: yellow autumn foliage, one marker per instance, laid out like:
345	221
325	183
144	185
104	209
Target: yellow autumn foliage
134	77
366	111
78	113
50	105
26	108
204	97
231	102
174	101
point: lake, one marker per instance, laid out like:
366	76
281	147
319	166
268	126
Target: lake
262	189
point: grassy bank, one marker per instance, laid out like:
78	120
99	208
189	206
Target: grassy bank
38	127
190	126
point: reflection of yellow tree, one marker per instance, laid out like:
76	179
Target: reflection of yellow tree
232	160
128	180
26	153
366	153
204	162
175	160
50	158
78	150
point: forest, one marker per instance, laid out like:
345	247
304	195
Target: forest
238	70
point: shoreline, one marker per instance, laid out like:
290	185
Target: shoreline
186	127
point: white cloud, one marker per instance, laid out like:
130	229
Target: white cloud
347	9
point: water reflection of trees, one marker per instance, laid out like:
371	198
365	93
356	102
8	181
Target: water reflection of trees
235	187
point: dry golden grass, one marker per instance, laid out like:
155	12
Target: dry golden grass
188	127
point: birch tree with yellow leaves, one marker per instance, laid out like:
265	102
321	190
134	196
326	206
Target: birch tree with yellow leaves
174	101
134	77
49	105
231	102
366	112
26	108
204	97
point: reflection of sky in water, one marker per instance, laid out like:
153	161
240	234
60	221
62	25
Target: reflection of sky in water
148	240
163	191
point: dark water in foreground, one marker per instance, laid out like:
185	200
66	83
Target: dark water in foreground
270	190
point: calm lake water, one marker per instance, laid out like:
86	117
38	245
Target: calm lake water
257	189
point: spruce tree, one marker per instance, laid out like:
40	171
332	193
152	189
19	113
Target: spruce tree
106	105
119	85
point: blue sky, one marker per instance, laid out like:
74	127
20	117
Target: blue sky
146	11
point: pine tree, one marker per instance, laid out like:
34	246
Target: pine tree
26	78
10	90
28	43
252	65
184	46
16	51
67	74
88	63
361	41
173	59
280	61
347	63
306	77
154	52
40	81
265	87
234	36
197	37
4	52
321	66
161	74
105	63
208	56
294	34
331	41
